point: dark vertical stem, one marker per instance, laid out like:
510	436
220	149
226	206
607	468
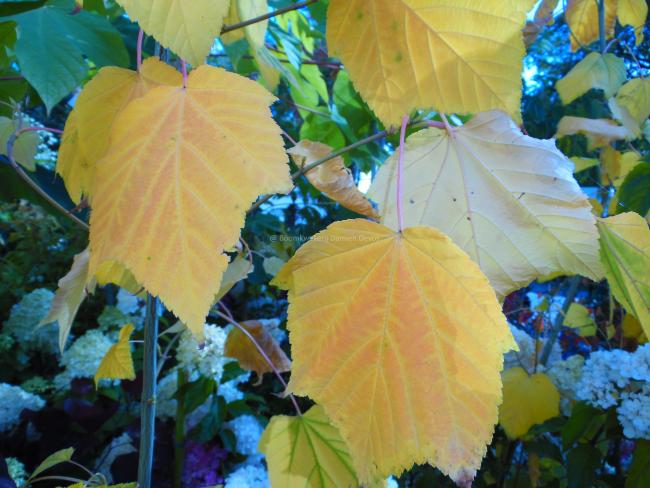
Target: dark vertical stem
601	25
179	433
572	289
148	408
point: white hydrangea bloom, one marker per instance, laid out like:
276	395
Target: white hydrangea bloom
391	482
248	431
16	471
248	476
24	320
634	413
565	374
127	303
601	378
83	357
527	354
636	365
14	401
208	359
230	391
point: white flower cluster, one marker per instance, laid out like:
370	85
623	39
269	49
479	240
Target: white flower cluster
248	431
207	359
24	320
529	351
83	357
14	401
16	471
615	378
248	476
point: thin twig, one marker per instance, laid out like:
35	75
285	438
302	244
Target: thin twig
263	354
572	289
35	186
255	20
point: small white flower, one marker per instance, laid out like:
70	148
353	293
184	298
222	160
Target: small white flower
248	476
208	359
16	471
248	431
24	320
83	357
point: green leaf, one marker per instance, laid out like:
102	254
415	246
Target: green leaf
579	318
52	42
601	71
583	419
25	145
58	457
583	462
639	473
634	194
195	393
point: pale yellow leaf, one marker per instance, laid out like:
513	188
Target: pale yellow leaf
582	17
25	146
238	269
272	265
240	347
579	317
117	364
172	193
616	165
510	201
232	19
581	164
527	400
599	132
634	13
111	272
76	170
73	289
625	251
633	102
449	55
186	27
385	325
332	177
631	328
602	71
306	451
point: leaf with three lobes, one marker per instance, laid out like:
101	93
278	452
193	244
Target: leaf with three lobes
519	213
306	451
455	57
599	132
634	13
87	130
187	28
171	195
117	364
332	177
527	400
73	289
625	252
582	18
384	325
240	347
603	71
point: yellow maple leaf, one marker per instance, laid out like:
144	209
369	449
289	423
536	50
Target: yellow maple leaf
72	291
631	329
579	318
382	326
240	347
332	177
418	54
599	132
86	135
117	364
634	13
582	17
527	400
231	19
238	269
625	252
306	451
172	192
187	28
616	165
517	209
602	71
